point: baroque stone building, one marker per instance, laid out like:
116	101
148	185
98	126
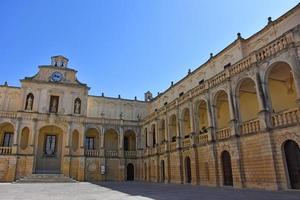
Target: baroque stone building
234	121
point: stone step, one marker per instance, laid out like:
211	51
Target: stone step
45	178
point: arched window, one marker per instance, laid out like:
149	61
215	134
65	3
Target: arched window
29	101
77	106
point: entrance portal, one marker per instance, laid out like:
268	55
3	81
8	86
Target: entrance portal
162	171
188	171
130	172
49	150
227	171
292	156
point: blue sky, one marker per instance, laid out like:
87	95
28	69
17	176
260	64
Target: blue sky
124	47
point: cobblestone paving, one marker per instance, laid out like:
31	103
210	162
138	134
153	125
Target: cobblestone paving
133	190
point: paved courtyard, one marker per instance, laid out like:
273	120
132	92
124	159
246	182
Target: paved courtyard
132	190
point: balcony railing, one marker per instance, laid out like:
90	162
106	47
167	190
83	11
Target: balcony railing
91	153
187	142
286	118
5	150
251	126
274	47
130	154
223	133
203	138
111	154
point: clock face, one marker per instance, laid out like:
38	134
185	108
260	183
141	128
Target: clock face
56	76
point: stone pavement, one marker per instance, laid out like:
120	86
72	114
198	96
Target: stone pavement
132	190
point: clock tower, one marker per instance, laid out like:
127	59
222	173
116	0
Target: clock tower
54	89
59	61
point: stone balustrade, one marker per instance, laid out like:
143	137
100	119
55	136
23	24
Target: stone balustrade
5	150
63	118
240	66
111	153
91	153
187	142
251	126
286	118
203	138
219	78
130	154
274	47
223	133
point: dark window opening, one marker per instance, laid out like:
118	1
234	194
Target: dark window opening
90	143
50	145
7	140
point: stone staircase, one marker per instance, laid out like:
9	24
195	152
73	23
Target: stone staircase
45	178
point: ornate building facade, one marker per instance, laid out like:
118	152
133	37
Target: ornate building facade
234	121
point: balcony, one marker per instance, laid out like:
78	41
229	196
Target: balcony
111	154
223	133
5	150
251	126
285	118
91	153
203	138
130	154
187	142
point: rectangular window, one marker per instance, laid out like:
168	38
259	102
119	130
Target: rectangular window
7	140
90	143
53	107
50	145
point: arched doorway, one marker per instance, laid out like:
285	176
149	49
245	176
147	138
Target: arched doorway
292	157
162	171
188	171
153	135
247	98
49	151
186	123
145	171
111	140
6	135
227	170
202	117
173	128
280	78
130	172
222	109
129	142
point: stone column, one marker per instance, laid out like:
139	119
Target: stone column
179	129
121	141
82	140
66	151
294	64
167	135
16	136
211	119
232	110
192	116
264	113
102	132
156	132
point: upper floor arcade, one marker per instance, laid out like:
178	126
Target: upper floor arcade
257	94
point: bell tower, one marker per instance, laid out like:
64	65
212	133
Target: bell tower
59	61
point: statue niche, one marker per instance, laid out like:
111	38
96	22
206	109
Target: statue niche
29	101
77	106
